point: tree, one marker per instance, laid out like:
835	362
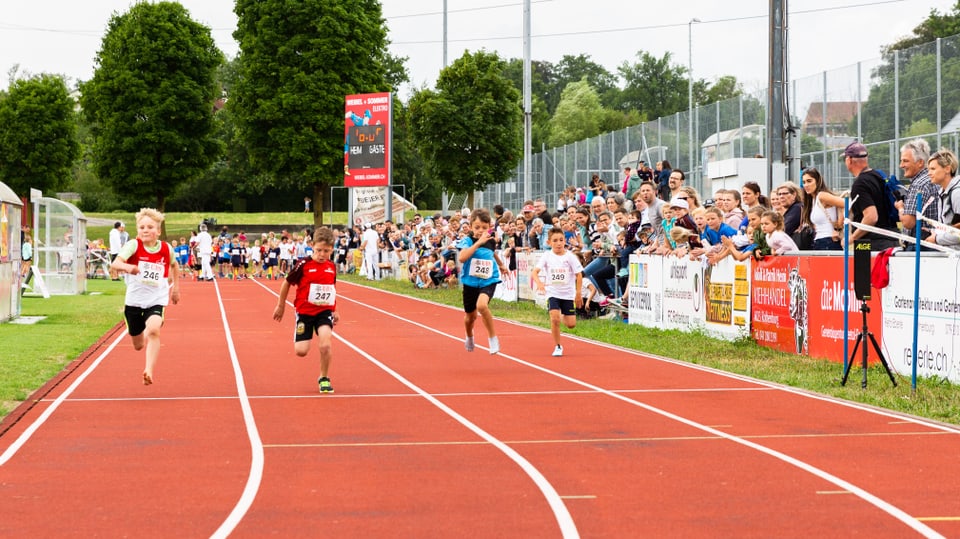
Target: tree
298	60
38	134
470	130
151	101
652	86
724	88
576	68
578	114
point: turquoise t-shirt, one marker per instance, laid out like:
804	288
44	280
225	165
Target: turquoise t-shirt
481	269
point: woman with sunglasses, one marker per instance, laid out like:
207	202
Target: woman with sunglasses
822	211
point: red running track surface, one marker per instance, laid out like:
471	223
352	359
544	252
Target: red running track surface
425	439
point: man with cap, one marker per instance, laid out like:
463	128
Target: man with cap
868	200
529	212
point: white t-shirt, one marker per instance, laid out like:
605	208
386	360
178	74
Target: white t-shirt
559	274
115	241
372	240
204	243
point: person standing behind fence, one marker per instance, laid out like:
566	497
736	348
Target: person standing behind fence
943	173
480	274
913	161
868	200
563	274
155	283
822	211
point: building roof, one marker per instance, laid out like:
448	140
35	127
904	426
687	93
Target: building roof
837	112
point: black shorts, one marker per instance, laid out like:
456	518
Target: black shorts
308	324
471	294
565	306
136	318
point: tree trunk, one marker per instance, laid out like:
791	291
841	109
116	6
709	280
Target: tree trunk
317	205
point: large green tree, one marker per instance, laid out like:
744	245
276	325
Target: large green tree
38	134
150	101
298	59
653	86
470	129
578	114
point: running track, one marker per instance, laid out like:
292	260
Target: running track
423	439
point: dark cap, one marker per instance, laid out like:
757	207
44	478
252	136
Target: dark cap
709	202
855	149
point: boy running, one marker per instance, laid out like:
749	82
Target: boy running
481	273
564	277
154	283
315	302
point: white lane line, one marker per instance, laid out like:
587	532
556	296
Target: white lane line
29	432
256	445
568	528
877	502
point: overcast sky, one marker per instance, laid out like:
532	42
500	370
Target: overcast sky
63	36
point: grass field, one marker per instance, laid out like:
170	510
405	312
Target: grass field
33	354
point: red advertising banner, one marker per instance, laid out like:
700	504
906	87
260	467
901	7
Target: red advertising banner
798	306
366	146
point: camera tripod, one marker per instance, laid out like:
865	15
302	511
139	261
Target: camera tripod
862	339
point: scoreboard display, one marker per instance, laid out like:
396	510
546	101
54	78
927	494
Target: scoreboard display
368	146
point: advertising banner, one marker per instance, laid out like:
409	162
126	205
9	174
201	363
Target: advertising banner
507	289
645	290
938	336
798	306
727	289
683	295
366	146
526	261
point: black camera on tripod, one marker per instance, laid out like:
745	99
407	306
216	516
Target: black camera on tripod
861	288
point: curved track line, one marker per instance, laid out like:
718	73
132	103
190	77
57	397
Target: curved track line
25	435
256	445
567	527
877	502
703	368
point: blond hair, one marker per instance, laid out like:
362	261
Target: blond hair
151	213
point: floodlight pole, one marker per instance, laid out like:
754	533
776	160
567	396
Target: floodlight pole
690	144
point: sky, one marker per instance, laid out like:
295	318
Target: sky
63	36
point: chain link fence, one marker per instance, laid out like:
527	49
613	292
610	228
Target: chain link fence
882	102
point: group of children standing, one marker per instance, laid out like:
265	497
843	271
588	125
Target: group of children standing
234	258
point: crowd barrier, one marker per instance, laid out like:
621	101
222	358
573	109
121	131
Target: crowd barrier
792	303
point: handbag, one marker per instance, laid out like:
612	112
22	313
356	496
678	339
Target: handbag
803	237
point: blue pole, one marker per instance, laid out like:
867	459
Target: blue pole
846	280
916	295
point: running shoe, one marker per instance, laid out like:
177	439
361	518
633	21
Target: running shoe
558	351
494	345
468	344
623	272
605	301
325	386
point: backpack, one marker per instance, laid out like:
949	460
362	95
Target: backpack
893	191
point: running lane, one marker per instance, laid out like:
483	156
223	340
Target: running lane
374	459
117	459
644	446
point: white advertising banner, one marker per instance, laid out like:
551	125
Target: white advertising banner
683	295
526	261
645	290
507	289
938	335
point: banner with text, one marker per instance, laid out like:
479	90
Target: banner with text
938	313
366	146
